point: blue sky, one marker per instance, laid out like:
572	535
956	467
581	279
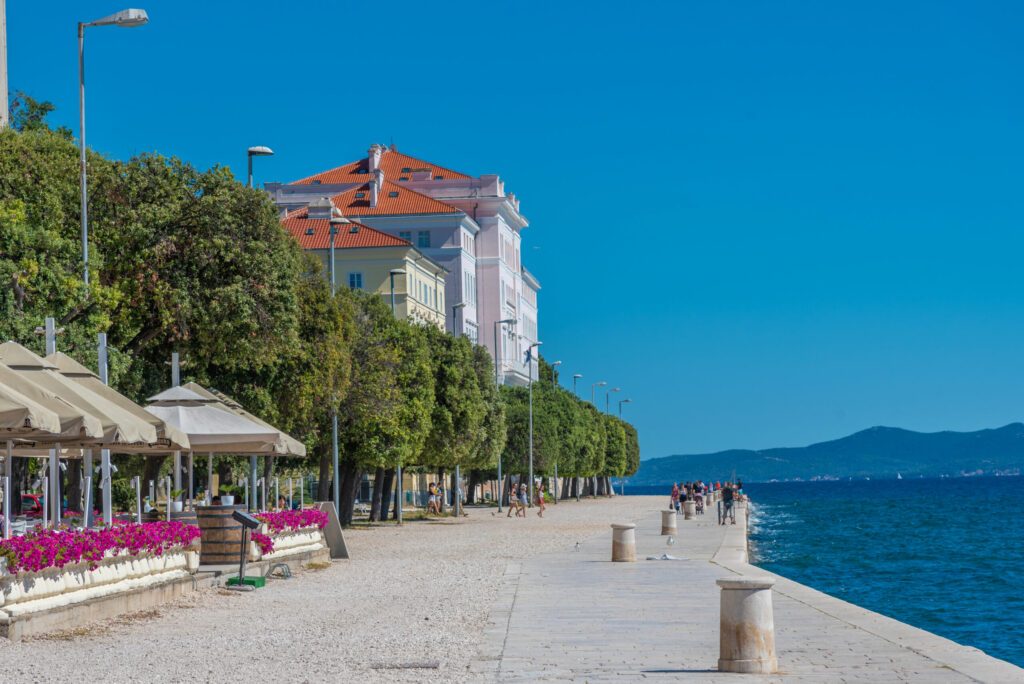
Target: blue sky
770	223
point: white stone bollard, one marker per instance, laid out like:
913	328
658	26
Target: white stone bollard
708	500
624	543
689	509
668	522
746	626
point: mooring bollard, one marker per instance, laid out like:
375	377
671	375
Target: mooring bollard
746	626
624	543
689	509
668	522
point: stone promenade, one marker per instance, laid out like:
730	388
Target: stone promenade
575	616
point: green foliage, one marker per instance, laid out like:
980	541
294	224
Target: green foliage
187	260
122	495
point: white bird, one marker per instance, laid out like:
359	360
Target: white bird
671	541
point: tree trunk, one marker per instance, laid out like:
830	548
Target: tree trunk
506	491
349	483
378	490
475	478
398	496
268	479
385	492
324	486
152	472
74	490
440	482
19	473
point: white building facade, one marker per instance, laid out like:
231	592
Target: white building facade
469	225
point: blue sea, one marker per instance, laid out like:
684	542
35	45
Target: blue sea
945	555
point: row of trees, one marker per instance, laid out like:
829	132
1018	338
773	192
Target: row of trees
193	261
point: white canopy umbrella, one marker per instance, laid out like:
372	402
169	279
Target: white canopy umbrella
212	427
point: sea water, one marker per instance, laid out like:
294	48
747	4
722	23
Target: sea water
944	555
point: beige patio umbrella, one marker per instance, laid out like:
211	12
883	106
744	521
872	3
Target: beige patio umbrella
119	427
169	437
212	426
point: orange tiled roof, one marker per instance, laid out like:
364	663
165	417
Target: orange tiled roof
300	227
394	164
393	199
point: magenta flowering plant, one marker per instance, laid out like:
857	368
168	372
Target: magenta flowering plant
42	549
265	543
284	521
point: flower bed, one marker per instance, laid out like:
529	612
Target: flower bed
43	549
47	569
285	533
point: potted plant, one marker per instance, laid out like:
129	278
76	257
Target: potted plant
227	494
176	504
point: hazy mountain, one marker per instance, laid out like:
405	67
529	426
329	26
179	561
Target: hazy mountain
878	452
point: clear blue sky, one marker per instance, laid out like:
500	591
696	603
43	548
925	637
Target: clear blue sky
771	223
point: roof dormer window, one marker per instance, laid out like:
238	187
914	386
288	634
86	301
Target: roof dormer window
360	195
393	193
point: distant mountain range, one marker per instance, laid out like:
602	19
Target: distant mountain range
878	452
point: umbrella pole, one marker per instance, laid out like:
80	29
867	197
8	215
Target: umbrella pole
209	479
8	472
177	470
54	493
253	481
105	486
87	488
191	481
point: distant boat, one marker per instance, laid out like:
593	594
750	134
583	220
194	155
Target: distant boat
898	476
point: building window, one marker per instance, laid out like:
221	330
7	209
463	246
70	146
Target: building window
393	193
423	238
405	235
360	195
355	281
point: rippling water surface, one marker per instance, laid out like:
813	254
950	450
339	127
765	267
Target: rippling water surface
943	555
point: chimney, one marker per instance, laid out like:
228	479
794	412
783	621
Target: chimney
373	157
322	208
376	185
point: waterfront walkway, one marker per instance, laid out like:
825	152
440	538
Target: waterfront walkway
575	616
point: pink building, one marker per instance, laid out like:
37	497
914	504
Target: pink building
469	225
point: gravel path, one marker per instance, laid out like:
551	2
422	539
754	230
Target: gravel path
416	595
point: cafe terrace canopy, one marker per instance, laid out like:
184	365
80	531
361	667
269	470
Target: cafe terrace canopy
73	423
169	437
210	427
21	416
120	428
287	445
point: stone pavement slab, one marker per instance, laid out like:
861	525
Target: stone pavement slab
576	616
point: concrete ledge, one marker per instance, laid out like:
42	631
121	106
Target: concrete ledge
92	610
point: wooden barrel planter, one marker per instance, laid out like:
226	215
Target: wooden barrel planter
221	535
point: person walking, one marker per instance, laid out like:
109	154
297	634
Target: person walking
540	500
674	501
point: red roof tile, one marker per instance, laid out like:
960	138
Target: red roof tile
394	164
300	228
392	200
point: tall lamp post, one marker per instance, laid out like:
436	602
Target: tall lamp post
554	382
257	151
576	377
593	393
607	398
497	383
336	484
455	317
554	366
529	372
126	18
398	468
621	402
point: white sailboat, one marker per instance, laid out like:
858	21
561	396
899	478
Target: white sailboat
898	476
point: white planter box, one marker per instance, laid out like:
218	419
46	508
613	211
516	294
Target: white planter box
307	539
28	592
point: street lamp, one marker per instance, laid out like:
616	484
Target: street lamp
257	151
554	365
576	377
336	489
621	402
529	370
593	394
126	18
607	396
497	383
394	272
455	317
